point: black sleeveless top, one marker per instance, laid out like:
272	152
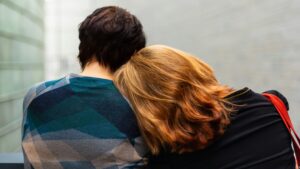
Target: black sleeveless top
256	139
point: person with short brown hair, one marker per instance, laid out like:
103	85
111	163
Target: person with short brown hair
110	36
81	121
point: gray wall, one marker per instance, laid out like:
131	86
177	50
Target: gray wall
21	63
254	43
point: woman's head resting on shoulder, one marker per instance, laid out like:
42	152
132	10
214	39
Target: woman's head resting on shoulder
177	99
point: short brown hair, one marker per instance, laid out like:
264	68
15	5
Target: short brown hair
178	101
111	35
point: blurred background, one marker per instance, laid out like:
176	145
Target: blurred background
253	43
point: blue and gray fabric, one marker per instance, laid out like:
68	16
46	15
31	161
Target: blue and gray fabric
80	123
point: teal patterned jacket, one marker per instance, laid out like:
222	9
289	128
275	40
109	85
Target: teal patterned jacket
80	123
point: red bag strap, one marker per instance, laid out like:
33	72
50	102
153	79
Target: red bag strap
282	110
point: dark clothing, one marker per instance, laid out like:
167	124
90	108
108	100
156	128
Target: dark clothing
256	139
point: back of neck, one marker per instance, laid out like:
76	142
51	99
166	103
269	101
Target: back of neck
95	69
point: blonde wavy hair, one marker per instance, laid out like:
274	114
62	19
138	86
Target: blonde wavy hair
178	102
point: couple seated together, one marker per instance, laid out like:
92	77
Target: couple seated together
147	107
